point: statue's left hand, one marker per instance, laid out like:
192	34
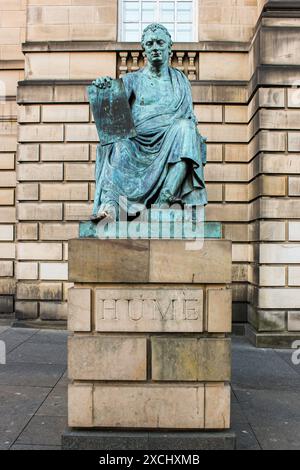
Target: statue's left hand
103	82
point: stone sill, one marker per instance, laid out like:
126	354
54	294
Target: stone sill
280	7
103	46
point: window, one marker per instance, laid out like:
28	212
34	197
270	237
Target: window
178	16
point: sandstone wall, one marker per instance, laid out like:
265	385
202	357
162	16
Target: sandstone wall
12	33
244	82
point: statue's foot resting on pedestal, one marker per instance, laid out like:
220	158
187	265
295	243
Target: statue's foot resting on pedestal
166	199
108	213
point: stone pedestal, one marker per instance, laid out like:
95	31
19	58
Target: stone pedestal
149	359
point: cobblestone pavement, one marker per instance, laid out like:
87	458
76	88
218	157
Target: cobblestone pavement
33	403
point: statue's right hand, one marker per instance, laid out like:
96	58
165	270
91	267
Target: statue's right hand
103	82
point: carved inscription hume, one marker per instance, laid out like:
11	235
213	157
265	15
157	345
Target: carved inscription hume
149	310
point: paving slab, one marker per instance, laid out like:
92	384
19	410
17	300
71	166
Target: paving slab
37	353
50	336
262	369
14	337
269	406
55	404
286	355
43	430
17	406
33	375
279	436
245	437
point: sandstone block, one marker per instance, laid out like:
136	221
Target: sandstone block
146	310
236	192
53	311
294	141
280	253
7	179
28	271
105	357
8	214
64	152
271	320
26	310
217	406
65	113
149	406
208	263
77	211
54	271
236	153
27	231
58	231
79	309
40	211
7	161
38	172
6	268
28	152
272	276
278	298
81	133
64	192
6	232
41	133
39	291
40	251
208	113
7	250
27	192
294	276
219	308
285	164
272	231
214	192
236	114
184	359
79	171
280	208
294	186
214	153
294	231
121	260
294	321
29	114
80	405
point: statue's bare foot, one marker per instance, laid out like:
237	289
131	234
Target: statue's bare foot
101	216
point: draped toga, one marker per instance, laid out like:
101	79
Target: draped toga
166	134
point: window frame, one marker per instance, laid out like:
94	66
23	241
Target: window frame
194	23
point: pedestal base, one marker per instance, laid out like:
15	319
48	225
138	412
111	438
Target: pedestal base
140	440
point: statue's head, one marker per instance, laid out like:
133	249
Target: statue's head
157	43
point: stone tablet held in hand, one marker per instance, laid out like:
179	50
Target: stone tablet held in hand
111	112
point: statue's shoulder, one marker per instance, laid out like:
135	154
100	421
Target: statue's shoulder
179	74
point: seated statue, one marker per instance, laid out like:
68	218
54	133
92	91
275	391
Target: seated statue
163	163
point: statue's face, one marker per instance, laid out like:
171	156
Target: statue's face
156	47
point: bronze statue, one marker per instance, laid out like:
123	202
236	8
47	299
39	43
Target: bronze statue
158	158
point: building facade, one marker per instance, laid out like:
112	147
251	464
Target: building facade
242	59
